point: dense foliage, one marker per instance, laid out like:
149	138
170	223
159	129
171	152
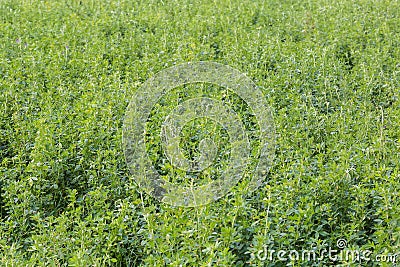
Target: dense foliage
68	69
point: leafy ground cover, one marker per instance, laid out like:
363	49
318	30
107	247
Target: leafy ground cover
330	71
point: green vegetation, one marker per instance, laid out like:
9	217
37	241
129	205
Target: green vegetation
330	71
